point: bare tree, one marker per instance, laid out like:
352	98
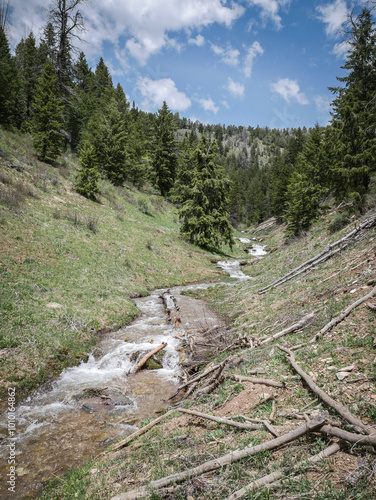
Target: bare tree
4	13
68	22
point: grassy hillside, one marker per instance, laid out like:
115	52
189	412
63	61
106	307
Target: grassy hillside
69	266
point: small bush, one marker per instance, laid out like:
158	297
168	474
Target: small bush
92	223
144	208
338	223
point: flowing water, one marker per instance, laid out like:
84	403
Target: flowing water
91	405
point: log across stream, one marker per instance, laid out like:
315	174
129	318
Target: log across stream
92	405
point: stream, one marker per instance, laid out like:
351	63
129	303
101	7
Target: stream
90	406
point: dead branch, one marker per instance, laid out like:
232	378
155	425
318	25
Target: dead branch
143	360
371	306
141	431
227	459
195	379
274	476
338	407
220	420
324	255
343	315
254	380
351	437
293	328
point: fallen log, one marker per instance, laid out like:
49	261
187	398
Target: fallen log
343	315
143	360
227	459
338	407
293	328
221	420
254	380
274	476
141	431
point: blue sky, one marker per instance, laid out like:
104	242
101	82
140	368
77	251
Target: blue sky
239	62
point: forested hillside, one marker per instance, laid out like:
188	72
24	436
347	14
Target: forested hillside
50	92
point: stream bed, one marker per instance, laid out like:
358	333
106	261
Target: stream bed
92	405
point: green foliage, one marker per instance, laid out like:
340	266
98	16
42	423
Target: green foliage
354	113
164	157
88	175
47	117
9	85
203	212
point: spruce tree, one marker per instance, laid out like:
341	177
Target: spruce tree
46	123
164	157
88	175
10	111
354	113
203	214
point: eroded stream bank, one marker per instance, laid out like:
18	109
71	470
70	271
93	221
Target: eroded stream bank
89	406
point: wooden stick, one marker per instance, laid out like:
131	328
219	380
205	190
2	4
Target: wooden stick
270	478
338	407
297	326
220	420
227	459
143	360
254	380
348	436
371	306
343	315
141	431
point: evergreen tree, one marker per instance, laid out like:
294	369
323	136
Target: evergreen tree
354	112
47	46
203	214
102	83
47	120
29	71
164	157
88	175
308	184
9	85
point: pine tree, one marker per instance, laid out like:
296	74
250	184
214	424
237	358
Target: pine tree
164	157
46	120
88	175
354	113
47	47
9	85
203	214
29	71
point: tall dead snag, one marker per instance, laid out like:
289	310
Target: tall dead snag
276	475
338	407
343	315
230	458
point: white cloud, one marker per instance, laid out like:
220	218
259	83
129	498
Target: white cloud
289	90
322	104
199	41
254	50
208	105
341	49
333	15
145	24
155	92
269	10
236	89
228	55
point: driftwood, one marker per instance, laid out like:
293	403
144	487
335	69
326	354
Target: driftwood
227	459
141	431
338	407
343	315
143	360
276	475
293	328
221	420
254	380
324	255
